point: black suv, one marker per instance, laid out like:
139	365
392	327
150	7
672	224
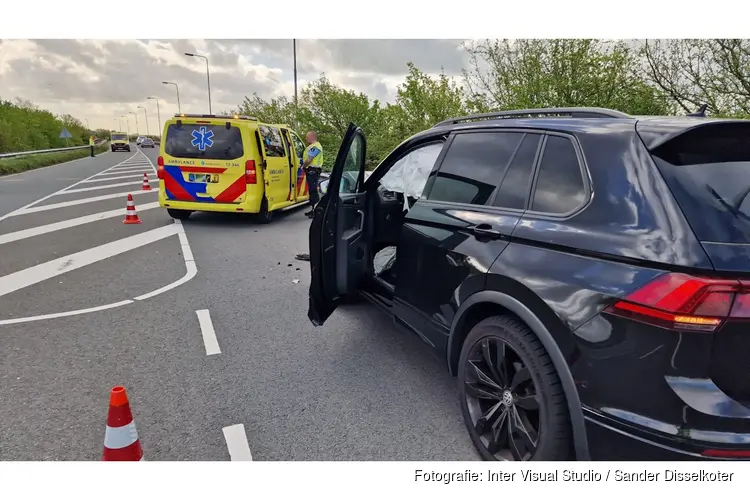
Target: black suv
585	274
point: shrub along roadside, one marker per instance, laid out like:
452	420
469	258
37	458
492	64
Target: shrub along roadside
23	163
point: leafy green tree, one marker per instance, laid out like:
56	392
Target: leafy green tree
523	74
692	72
423	101
279	111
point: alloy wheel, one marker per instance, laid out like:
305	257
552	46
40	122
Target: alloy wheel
502	399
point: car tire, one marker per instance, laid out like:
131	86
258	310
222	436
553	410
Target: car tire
264	216
179	214
497	436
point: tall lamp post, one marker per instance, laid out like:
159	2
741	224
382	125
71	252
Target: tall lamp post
158	113
146	114
137	128
177	87
127	121
208	78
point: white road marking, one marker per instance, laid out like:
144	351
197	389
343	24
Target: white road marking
105	179
106	186
57	226
120	170
207	330
63	204
32	275
16	212
27	319
191	271
236	439
190	268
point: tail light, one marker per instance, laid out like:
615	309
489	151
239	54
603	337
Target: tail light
251	176
682	302
726	453
160	167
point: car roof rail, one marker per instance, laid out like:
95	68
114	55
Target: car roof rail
538	113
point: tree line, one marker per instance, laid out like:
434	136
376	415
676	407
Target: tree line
661	77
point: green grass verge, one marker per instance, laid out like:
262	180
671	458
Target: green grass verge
23	163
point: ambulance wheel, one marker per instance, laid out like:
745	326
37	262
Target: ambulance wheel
179	214
264	216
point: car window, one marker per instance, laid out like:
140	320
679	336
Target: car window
515	186
207	142
299	146
271	138
473	167
350	175
559	186
409	174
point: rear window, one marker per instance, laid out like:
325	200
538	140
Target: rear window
208	142
708	171
119	137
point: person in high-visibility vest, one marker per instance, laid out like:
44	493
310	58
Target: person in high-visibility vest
312	163
91	145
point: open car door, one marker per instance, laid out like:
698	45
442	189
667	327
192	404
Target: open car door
338	247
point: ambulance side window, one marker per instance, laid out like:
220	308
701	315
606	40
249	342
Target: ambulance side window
299	146
272	143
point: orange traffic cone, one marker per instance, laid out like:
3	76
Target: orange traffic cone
121	443
131	217
146	184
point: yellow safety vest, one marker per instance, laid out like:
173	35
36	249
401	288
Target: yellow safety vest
316	162
91	141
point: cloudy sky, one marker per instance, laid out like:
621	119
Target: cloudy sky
101	80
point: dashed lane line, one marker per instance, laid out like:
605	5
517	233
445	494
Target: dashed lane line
208	332
239	449
78	221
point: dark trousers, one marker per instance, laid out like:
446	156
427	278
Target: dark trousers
313	176
92	151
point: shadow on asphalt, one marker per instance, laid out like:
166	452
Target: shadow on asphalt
224	219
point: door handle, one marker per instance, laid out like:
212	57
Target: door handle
361	220
485	230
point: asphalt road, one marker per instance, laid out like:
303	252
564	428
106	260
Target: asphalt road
87	303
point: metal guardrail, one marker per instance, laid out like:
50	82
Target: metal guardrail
42	151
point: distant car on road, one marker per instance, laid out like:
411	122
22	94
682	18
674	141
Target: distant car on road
324	177
119	141
139	140
147	143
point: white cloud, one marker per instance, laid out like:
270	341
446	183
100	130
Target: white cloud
100	80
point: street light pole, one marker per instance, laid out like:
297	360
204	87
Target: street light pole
137	128
146	114
158	113
208	78
127	121
179	109
294	42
